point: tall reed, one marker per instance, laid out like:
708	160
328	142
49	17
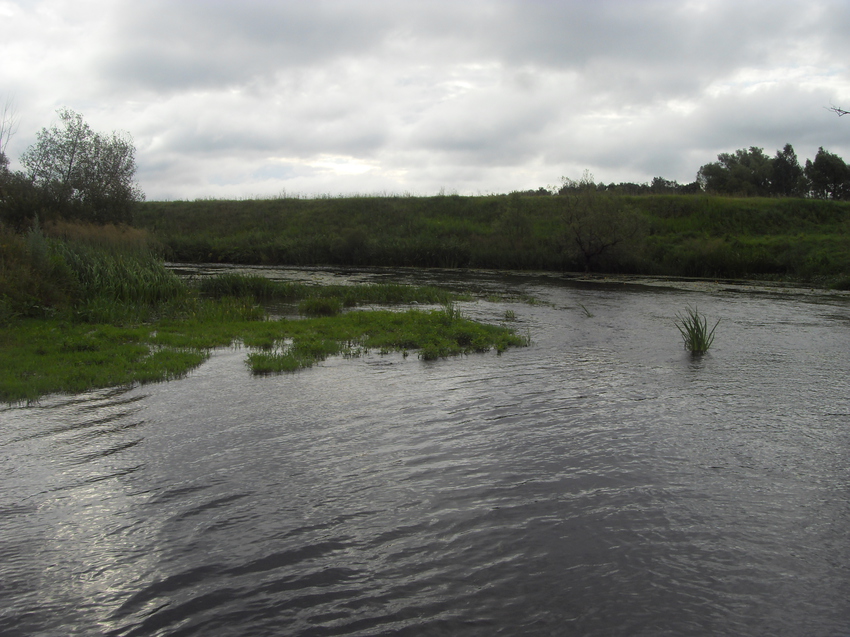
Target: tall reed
136	277
694	330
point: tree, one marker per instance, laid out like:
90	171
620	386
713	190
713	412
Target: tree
744	172
787	179
8	127
82	174
828	175
596	223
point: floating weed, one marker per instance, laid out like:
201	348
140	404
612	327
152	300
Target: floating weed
587	312
694	330
133	321
510	315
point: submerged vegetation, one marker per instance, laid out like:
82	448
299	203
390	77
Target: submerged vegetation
694	330
83	308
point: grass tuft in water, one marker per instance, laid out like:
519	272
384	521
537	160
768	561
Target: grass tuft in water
694	330
320	307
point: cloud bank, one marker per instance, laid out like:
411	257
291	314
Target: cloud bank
256	98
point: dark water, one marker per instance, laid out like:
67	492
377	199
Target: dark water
600	482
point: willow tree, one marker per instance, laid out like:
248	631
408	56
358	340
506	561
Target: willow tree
82	174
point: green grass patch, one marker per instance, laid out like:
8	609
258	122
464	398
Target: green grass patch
101	310
320	306
38	357
41	356
435	333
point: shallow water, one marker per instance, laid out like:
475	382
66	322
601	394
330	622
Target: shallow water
600	482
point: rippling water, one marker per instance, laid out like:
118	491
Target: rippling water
600	482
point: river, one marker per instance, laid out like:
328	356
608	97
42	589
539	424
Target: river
599	482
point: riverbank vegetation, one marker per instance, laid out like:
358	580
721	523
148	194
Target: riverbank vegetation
660	235
83	307
747	215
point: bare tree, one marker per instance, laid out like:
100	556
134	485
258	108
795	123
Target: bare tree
8	127
596	223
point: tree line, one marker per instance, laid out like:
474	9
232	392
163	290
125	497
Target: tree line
75	173
747	172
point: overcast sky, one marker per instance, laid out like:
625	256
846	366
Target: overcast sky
254	98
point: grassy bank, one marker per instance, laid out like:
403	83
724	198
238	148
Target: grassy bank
680	235
82	313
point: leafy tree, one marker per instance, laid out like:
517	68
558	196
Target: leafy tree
744	172
82	174
828	176
787	178
661	186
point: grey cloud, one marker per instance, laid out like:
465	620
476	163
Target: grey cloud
242	96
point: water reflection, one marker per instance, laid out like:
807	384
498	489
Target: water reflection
602	481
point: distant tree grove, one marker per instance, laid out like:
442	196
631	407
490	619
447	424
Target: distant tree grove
747	172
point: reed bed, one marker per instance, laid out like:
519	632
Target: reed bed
136	277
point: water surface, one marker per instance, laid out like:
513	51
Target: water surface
600	482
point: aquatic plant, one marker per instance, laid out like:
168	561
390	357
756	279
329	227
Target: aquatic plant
451	313
320	307
694	330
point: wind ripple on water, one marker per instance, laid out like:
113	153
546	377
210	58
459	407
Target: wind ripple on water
599	482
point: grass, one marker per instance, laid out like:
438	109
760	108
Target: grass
81	314
684	235
435	333
694	330
40	356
